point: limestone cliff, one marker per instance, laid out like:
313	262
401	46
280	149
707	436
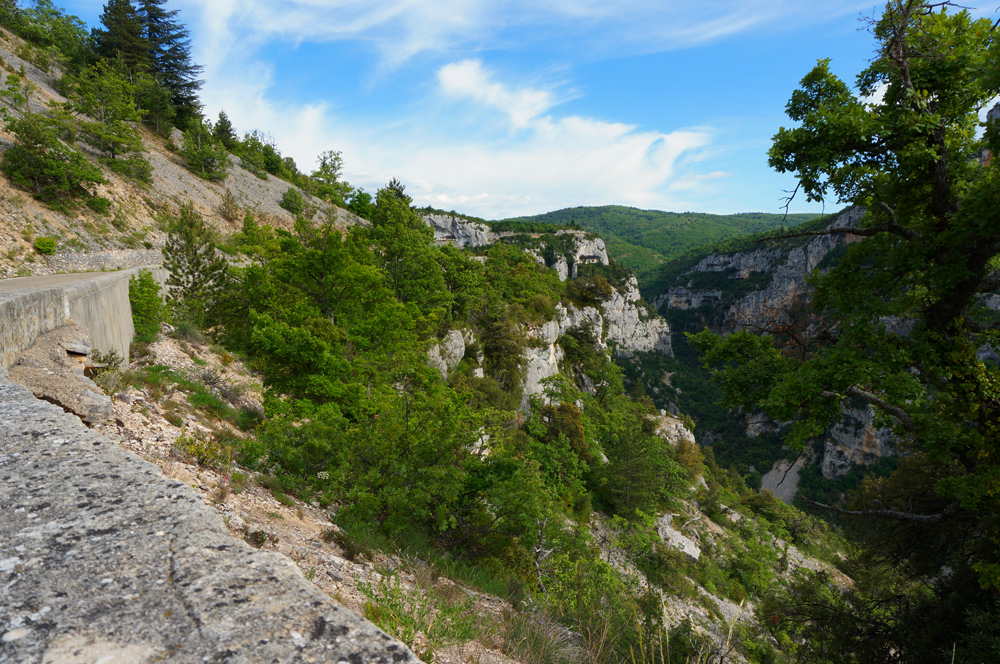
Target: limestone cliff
621	322
756	286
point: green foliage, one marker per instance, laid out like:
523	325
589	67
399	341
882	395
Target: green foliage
927	255
99	204
196	272
122	37
292	201
44	165
205	157
45	245
51	30
105	93
224	133
361	204
327	178
643	240
170	59
405	614
147	306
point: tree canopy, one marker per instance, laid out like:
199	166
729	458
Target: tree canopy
902	323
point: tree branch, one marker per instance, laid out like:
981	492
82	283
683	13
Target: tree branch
951	510
869	398
896	229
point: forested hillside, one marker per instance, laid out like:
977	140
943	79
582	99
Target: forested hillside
641	240
511	415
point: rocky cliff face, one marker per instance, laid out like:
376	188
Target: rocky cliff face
757	287
460	233
622	322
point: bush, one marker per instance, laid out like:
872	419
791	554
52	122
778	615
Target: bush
147	306
99	204
45	246
292	201
204	155
42	164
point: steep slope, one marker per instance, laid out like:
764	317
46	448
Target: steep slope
131	231
759	286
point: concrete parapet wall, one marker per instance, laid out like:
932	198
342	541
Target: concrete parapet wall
103	559
25	316
98	302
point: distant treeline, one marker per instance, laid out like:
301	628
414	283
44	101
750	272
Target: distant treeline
644	239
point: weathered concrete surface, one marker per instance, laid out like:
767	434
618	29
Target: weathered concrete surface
53	370
104	559
33	306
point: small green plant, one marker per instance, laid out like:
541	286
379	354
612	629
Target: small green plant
229	207
292	201
109	376
408	614
205	451
45	245
351	546
99	204
258	538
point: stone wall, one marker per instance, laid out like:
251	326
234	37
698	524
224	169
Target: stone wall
98	302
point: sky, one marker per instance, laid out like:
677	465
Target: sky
517	107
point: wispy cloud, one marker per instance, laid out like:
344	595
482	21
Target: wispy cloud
468	79
401	29
463	134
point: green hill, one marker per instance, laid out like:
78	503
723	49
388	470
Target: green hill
645	239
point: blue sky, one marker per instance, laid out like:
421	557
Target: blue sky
520	107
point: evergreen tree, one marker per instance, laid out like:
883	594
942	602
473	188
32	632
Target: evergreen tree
40	161
105	94
123	36
204	155
225	133
170	57
196	271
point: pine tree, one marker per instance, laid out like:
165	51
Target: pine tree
170	55
123	36
105	94
196	271
224	132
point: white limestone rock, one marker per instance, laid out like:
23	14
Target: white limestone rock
448	352
673	537
630	328
459	232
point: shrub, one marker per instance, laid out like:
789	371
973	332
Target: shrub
99	204
147	306
292	201
229	208
43	164
45	245
204	155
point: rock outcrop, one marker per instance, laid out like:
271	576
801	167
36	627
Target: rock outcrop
756	288
630	327
673	537
448	352
459	232
53	369
102	559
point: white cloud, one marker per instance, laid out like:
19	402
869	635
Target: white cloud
465	136
469	79
401	29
